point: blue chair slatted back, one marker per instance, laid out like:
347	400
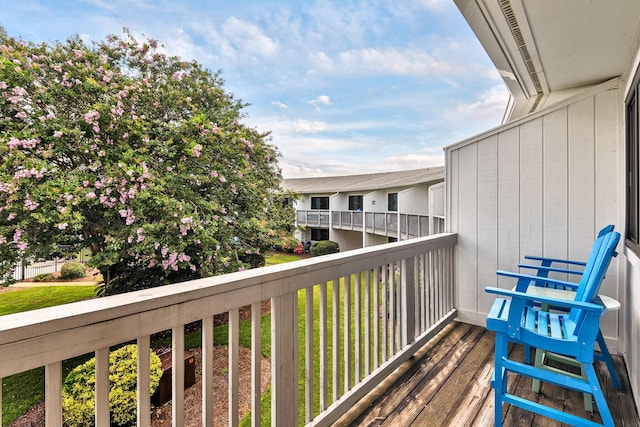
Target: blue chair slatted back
595	270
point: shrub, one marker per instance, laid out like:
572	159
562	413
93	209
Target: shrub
287	244
72	270
45	277
78	395
324	247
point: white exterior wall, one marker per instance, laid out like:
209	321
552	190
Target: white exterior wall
541	185
347	239
414	200
338	201
437	199
375	201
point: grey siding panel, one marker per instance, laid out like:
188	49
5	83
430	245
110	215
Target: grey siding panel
555	202
468	225
508	201
487	218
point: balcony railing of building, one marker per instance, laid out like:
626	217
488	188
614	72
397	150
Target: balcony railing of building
312	218
386	223
370	309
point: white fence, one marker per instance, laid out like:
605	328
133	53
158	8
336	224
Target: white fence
359	314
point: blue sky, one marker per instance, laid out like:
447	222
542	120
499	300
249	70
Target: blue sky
344	86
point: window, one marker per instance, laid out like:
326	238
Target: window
320	203
355	203
633	162
392	203
319	234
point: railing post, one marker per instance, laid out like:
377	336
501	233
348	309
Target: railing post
284	364
407	291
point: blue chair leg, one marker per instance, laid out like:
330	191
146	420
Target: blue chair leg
606	357
499	375
598	395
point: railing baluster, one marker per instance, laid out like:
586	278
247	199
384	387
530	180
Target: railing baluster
256	362
102	387
207	371
284	360
309	352
358	326
367	322
143	417
323	347
177	380
376	319
392	309
385	313
53	394
234	357
335	327
347	334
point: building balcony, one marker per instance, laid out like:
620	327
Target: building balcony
381	223
343	327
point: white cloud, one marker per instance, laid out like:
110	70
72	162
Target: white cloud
490	104
398	62
247	39
324	99
280	104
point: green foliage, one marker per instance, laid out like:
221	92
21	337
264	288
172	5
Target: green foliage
324	247
138	156
45	277
78	396
286	244
72	270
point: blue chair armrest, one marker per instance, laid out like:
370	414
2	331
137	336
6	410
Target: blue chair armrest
558	260
536	279
515	295
549	269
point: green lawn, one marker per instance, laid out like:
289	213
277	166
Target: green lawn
41	297
22	391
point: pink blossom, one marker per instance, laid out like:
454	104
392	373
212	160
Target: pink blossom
213	174
196	150
140	234
223	179
91	116
11	216
30	204
21	115
57	134
91	195
63	226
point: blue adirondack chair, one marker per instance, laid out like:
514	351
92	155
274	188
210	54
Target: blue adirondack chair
543	270
518	317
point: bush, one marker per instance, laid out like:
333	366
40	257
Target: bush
45	277
72	270
287	244
78	395
324	247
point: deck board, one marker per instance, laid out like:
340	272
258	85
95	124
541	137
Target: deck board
449	385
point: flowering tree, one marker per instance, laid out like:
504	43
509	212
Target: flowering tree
133	154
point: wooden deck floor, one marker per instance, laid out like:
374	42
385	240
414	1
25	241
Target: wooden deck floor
448	384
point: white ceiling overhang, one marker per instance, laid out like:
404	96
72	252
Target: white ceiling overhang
542	46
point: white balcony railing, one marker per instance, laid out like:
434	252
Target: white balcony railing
372	309
312	218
